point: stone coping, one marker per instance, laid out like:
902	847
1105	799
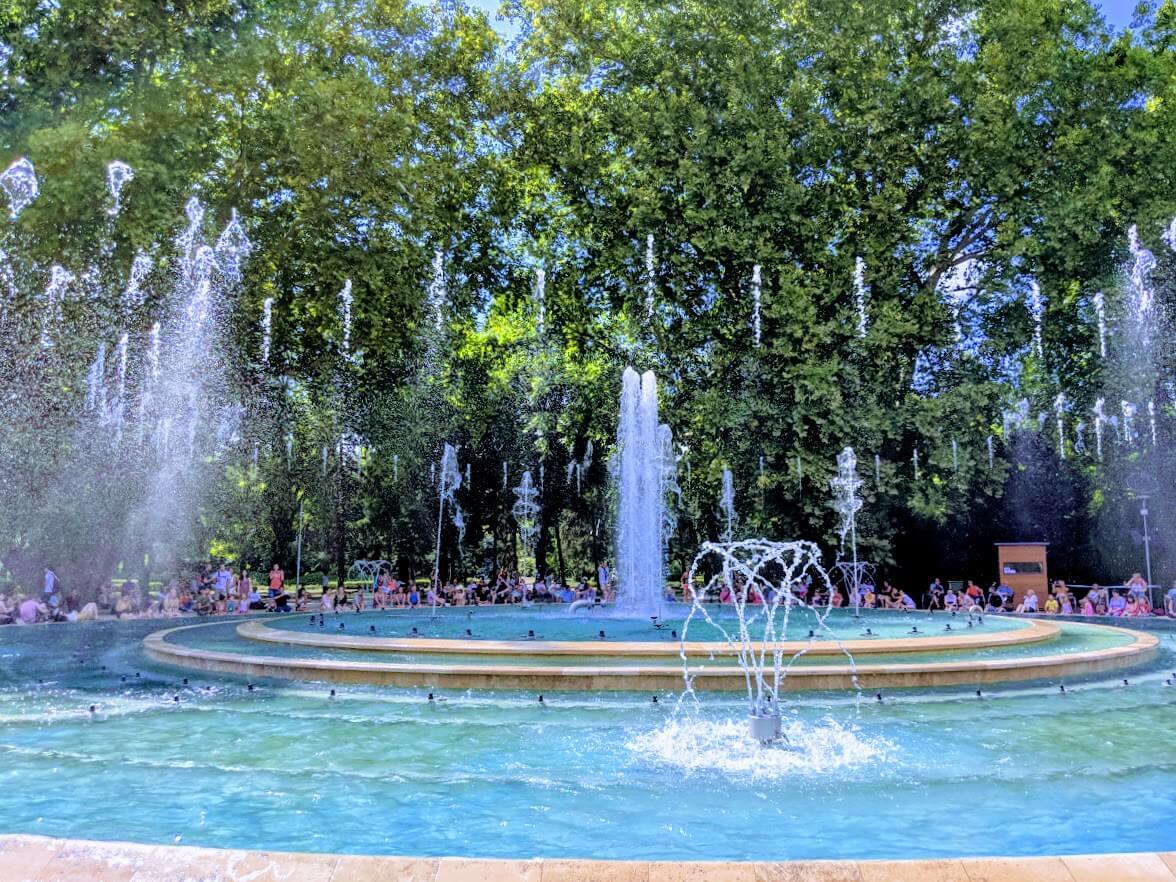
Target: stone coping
1036	631
40	859
1142	648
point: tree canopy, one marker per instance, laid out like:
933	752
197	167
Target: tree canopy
821	223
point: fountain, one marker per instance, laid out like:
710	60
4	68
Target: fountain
267	319
345	300
727	505
19	183
645	470
1037	311
847	503
859	294
759	576
448	483
526	512
650	276
118	175
1101	316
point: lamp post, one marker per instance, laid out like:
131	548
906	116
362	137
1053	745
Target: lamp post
1146	541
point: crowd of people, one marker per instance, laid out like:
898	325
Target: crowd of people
220	590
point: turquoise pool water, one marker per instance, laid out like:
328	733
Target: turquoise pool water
556	623
1026	770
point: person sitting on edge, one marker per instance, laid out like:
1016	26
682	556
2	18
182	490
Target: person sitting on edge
906	602
1170	601
950	601
414	597
1143	605
1136	584
1118	604
935	594
1052	607
1028	602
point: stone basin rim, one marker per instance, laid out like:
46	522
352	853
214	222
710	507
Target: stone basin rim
636	678
267	631
37	858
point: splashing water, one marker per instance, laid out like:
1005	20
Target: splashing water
267	318
859	294
96	383
877	471
449	482
1060	416
758	576
19	183
505	475
650	276
756	295
1151	418
59	281
846	487
1100	419
437	293
691	744
1169	235
727	504
1037	311
345	315
1080	438
118	175
1141	294
645	467
915	462
540	300
133	295
1128	410
232	247
526	511
1100	312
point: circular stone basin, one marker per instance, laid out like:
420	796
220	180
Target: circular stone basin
1013	650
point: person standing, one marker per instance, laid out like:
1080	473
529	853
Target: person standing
602	576
277	580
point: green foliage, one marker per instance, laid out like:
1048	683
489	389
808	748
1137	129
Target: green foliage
358	138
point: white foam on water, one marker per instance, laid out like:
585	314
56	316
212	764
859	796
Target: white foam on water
694	745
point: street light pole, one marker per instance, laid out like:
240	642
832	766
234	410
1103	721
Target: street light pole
298	563
1146	543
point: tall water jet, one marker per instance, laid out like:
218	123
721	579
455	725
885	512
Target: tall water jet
448	484
1037	311
526	512
1100	418
727	505
59	281
991	454
1100	313
133	295
756	329
19	183
915	462
540	300
345	300
437	290
1151	419
118	175
847	502
1060	415
1141	293
650	276
1128	410
859	294
267	319
645	468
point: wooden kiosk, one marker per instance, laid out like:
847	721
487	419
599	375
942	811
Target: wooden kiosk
1021	566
